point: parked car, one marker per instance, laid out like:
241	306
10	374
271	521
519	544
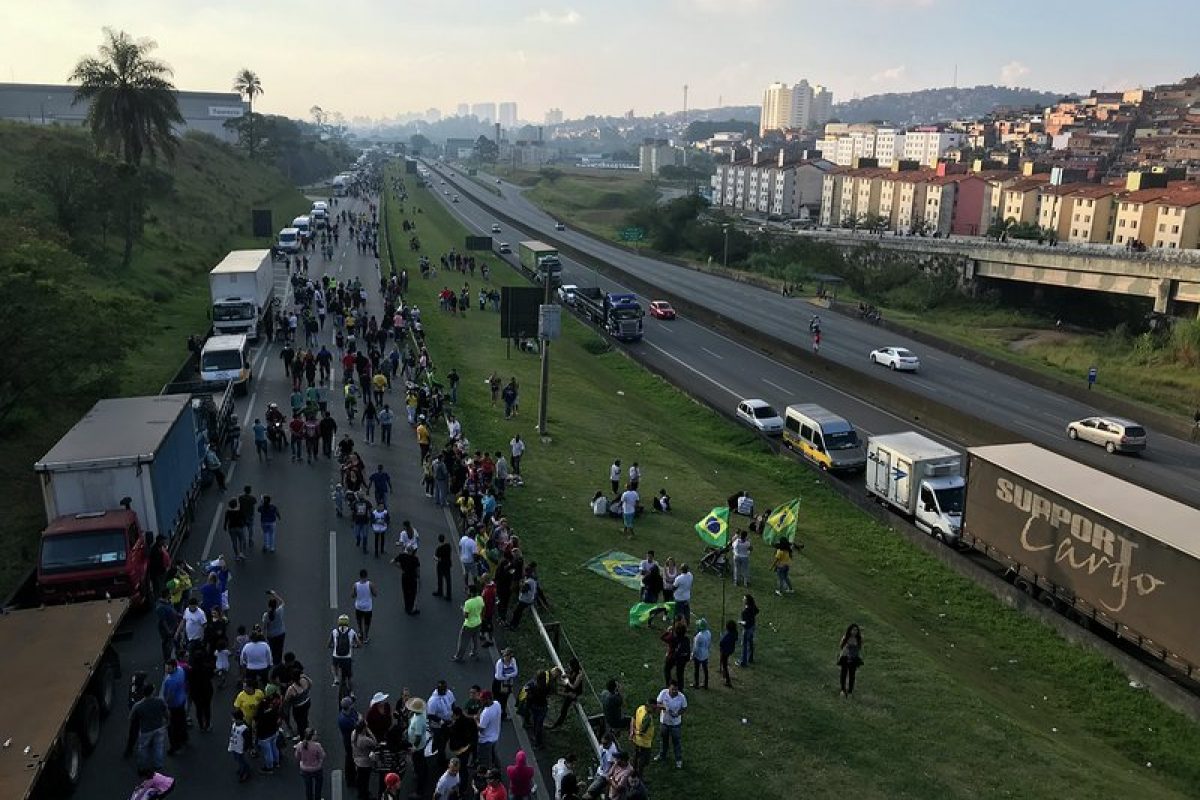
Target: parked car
896	358
495	227
559	226
759	414
504	249
1114	434
661	309
566	293
454	199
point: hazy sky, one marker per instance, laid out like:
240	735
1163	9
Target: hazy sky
382	57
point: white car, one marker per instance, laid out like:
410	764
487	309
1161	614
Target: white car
504	248
759	414
559	226
896	358
495	228
566	294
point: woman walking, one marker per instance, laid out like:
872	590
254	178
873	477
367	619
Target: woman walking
572	689
727	645
749	623
200	686
273	625
310	758
850	657
782	563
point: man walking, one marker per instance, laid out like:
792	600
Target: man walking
472	618
672	703
148	730
443	566
175	695
248	504
381	482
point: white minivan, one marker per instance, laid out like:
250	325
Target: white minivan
227	358
304	225
288	241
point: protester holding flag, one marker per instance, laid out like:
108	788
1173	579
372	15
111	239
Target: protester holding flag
780	524
713	530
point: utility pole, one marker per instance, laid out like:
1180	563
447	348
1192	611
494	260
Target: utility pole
725	260
544	339
685	124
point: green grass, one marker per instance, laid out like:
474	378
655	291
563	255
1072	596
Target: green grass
206	215
960	696
595	200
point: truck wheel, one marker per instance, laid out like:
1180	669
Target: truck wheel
1049	600
87	722
68	762
941	537
102	686
1023	585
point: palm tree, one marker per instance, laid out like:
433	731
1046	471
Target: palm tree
133	102
132	114
247	84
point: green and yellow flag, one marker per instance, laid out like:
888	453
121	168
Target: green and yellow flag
640	613
714	528
781	523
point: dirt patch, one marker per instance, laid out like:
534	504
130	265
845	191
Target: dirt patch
1021	342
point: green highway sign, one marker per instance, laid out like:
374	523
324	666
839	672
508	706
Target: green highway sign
632	234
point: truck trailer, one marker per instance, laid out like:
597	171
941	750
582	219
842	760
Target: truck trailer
919	478
618	313
537	259
243	288
1107	552
127	471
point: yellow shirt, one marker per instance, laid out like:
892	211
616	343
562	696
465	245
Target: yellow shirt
380	382
422	434
248	703
180	586
782	559
643	727
350	321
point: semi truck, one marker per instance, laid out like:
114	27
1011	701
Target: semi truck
618	313
60	669
921	479
130	469
537	259
1109	553
243	290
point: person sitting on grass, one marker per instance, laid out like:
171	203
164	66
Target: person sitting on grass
599	505
662	502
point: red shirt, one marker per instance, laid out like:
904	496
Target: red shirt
489	600
348	361
494	791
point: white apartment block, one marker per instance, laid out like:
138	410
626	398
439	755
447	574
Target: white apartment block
799	107
770	186
927	146
508	115
843	144
654	154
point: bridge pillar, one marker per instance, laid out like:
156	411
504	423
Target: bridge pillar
1162	296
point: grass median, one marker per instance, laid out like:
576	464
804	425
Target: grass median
960	696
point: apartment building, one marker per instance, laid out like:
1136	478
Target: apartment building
1176	224
845	144
1079	213
927	145
1019	200
654	154
802	106
772	185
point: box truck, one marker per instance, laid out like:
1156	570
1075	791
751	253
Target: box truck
1108	552
243	291
919	478
538	259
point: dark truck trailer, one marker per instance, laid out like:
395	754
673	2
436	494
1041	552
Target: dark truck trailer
1108	551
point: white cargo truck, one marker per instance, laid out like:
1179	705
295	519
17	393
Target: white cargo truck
919	478
242	286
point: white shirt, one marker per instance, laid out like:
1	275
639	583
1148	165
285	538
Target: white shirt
672	707
467	549
614	472
194	620
635	474
409	542
629	500
256	655
505	672
741	548
380	523
363	601
455	429
600	507
558	772
607	756
489	723
440	705
517	446
683	586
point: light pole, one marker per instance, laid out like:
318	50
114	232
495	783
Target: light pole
725	260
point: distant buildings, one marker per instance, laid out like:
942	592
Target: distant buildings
433	115
484	112
463	110
554	116
769	183
508	115
49	104
799	107
654	154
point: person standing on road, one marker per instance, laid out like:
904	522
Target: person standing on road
239	736
387	418
443	566
472	618
363	593
410	578
673	704
381	482
273	626
380	517
248	504
310	759
342	641
489	730
448	785
327	428
148	730
175	695
467	552
360	517
439	710
236	528
168	623
268	515
520	778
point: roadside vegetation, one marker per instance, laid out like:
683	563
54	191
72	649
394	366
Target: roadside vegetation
960	696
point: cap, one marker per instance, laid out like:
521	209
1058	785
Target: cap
391	780
344	620
379	697
271	690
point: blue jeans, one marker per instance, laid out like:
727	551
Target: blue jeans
268	529
269	748
440	490
781	578
747	645
671	733
360	535
370	432
151	748
385	432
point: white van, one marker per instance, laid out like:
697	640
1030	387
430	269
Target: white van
288	241
320	218
227	358
824	438
304	225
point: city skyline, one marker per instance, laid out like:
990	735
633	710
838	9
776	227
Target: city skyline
577	58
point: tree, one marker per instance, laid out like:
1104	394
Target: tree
419	142
874	223
133	108
72	181
247	84
852	221
319	116
486	150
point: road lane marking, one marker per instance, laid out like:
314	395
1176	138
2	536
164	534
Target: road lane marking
688	366
711	353
336	788
212	532
333	579
775	385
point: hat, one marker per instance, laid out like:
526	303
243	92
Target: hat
416	705
347	703
380	697
391	780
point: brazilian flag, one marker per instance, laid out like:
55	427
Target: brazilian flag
640	613
781	523
714	528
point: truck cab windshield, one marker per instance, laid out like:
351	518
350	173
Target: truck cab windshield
841	440
221	360
950	501
233	311
89	550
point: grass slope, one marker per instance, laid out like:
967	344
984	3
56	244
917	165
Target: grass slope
206	215
960	696
597	201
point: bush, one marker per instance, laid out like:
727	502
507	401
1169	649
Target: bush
597	346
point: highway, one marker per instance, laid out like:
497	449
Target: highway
314	569
1170	465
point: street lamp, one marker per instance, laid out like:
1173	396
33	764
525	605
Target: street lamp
725	260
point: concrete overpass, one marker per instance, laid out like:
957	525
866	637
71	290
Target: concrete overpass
1171	278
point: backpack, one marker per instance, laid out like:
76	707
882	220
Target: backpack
341	643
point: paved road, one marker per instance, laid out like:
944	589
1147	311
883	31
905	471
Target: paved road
314	569
1170	465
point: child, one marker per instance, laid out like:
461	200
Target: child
238	734
339	499
239	642
222	654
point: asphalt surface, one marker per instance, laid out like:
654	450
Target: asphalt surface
1170	465
314	569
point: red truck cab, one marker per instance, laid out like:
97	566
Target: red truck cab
91	556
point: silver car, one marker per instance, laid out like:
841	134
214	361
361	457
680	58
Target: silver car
1114	434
